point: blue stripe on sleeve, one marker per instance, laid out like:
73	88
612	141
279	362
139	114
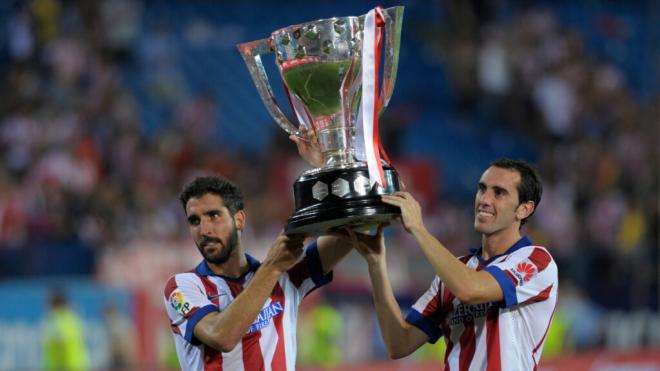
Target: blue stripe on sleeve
429	328
508	288
314	266
196	317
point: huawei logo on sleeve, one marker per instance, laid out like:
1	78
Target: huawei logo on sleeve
525	271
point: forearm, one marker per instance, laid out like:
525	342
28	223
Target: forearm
230	325
457	277
332	250
394	328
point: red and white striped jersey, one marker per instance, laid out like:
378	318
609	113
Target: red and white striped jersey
269	343
506	335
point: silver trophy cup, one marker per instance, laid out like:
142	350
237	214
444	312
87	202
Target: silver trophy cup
320	64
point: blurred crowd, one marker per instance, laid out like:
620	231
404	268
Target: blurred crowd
598	150
80	167
597	142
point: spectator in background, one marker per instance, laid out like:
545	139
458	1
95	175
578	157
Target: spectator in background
322	330
63	337
120	335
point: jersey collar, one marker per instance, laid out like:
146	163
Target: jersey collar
524	241
203	268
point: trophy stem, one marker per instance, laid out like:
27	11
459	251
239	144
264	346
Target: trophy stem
335	142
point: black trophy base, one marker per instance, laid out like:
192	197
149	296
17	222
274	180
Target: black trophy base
329	199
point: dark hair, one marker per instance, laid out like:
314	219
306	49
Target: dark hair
530	187
217	185
58	298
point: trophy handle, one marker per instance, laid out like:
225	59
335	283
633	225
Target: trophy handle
251	53
393	22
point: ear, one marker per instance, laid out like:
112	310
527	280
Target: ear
239	219
525	209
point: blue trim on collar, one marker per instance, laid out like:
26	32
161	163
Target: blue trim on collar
203	269
524	241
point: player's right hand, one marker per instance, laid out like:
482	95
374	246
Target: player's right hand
411	211
285	252
372	248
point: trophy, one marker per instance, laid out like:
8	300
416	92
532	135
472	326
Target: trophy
330	70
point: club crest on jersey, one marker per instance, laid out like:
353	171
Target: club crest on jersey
179	303
265	315
524	272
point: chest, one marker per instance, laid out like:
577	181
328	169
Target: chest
225	293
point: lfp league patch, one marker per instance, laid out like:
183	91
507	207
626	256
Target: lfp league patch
179	303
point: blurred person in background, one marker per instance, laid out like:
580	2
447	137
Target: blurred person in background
63	337
231	310
122	344
321	335
493	307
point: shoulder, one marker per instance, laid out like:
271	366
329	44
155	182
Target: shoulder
538	255
178	280
466	258
537	251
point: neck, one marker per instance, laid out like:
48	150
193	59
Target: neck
234	267
498	243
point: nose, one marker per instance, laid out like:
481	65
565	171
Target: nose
206	227
484	198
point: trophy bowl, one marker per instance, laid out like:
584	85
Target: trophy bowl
330	75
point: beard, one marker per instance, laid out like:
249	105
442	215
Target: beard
225	252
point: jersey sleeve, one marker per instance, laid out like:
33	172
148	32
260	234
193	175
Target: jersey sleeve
526	275
307	275
425	313
186	304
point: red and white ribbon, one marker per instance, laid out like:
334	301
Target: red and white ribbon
374	24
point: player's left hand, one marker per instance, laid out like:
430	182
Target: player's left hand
309	148
411	211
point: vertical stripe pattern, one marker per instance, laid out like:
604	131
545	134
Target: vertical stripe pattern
499	335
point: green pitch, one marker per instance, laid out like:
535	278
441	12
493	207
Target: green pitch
318	84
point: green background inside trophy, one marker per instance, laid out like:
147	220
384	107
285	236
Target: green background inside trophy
318	85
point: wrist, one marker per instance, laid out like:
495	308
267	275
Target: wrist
418	230
376	265
270	269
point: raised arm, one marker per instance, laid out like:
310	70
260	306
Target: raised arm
332	249
469	286
400	337
223	330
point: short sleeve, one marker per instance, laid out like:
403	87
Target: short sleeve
425	313
527	275
308	275
186	304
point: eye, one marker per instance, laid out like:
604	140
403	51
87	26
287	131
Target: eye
500	192
193	220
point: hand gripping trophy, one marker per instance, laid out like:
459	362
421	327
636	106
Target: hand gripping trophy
330	70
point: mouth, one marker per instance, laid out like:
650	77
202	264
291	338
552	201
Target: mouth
485	214
212	245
